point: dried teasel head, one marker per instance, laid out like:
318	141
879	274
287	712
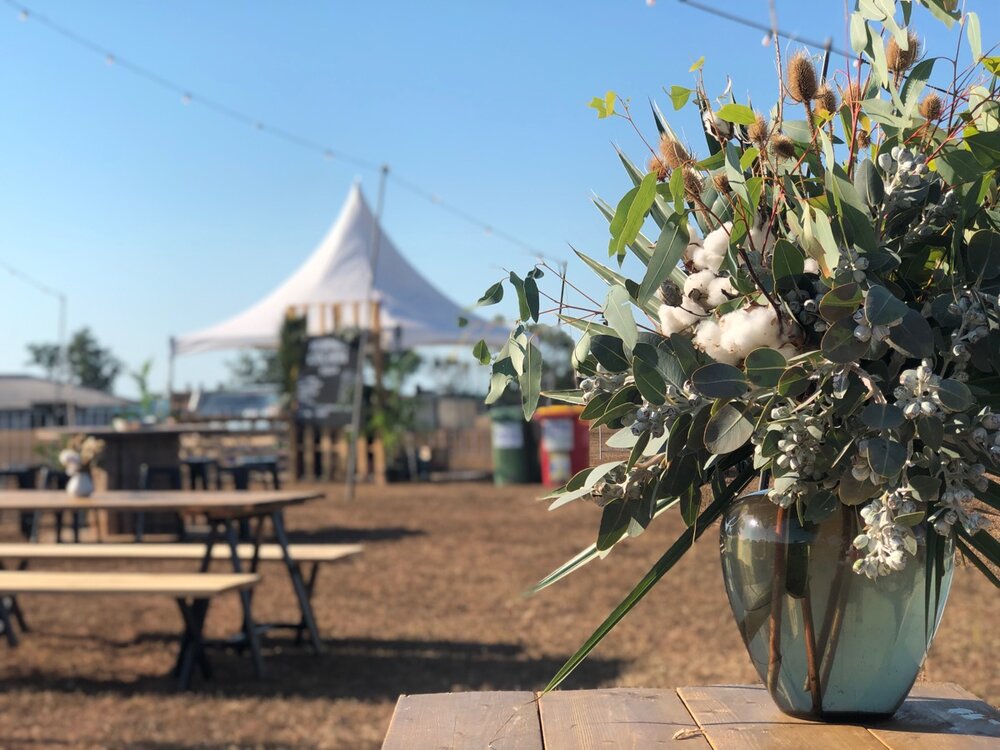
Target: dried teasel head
757	131
673	153
656	164
851	95
783	146
900	60
826	100
692	184
721	182
931	107
801	78
864	139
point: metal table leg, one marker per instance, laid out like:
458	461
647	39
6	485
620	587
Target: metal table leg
249	628
192	644
305	605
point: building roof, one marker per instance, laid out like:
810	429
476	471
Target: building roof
18	392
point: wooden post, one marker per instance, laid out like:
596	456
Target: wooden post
326	453
309	453
335	310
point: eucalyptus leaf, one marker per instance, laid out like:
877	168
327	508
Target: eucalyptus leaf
609	352
882	308
728	429
618	312
886	457
764	367
839	344
718	380
882	416
913	337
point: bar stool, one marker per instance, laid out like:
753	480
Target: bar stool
169	478
199	470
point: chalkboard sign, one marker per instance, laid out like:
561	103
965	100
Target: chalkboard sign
326	381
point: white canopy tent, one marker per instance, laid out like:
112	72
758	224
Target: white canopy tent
340	272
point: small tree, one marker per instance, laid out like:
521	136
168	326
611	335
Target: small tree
90	364
46	356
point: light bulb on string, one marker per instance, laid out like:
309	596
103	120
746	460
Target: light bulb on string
185	98
328	155
23	16
109	59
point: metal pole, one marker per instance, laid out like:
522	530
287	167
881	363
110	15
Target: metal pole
64	364
170	375
359	382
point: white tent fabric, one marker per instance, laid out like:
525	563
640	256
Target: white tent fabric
340	271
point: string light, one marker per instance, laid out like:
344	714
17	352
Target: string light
187	96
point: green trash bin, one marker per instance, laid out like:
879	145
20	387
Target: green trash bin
512	446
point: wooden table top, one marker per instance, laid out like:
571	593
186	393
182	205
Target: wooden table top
216	502
941	716
107	582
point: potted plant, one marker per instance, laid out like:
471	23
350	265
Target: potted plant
78	461
818	314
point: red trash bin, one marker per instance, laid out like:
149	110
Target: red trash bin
565	445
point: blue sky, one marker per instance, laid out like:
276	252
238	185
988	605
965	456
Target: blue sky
158	218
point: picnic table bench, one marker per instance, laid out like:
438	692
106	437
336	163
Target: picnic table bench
941	716
192	591
306	554
224	510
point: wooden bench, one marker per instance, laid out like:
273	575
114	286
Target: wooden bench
312	554
192	591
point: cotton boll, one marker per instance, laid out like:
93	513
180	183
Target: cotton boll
745	330
811	266
720	291
703	259
708	338
716	242
697	285
679	319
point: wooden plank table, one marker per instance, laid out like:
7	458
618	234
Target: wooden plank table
724	717
223	509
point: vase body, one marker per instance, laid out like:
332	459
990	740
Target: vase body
80	485
845	647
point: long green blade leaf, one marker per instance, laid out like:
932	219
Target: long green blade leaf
662	566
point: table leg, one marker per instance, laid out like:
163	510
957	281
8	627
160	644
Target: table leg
249	627
192	644
300	629
8	630
305	605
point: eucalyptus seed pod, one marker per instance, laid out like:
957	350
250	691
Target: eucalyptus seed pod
692	184
673	153
827	100
656	164
852	95
802	84
757	131
931	107
783	146
900	60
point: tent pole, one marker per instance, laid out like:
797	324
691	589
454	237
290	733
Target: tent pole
359	382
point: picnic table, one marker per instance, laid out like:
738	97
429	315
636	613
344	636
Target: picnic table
224	510
941	716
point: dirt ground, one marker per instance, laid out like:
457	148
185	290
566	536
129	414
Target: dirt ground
434	604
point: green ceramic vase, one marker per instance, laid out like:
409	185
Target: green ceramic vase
845	647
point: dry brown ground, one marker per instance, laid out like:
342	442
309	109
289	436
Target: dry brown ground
434	604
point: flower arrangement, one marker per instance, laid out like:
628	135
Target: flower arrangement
80	456
819	309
